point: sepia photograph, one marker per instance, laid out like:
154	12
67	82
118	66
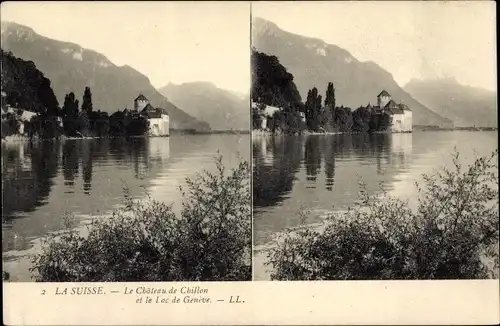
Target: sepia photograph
374	140
249	163
125	141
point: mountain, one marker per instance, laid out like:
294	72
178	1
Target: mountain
464	105
220	108
71	68
25	87
314	63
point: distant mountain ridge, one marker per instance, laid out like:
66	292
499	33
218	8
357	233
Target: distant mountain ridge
314	63
71	68
221	109
466	106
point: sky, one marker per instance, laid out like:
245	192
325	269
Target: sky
416	39
167	41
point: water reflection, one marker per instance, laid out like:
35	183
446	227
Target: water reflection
273	172
319	172
70	163
278	160
329	165
27	173
41	182
312	157
29	170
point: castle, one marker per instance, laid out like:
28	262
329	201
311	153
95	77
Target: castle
400	113
159	120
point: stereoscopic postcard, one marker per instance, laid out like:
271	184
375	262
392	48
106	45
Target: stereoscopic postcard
237	163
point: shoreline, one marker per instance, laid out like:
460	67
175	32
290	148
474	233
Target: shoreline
12	139
268	133
310	133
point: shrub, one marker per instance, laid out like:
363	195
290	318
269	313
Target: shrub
453	234
146	241
10	125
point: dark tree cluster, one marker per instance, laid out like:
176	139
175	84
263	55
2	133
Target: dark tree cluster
288	120
24	87
314	110
329	117
10	125
257	112
273	85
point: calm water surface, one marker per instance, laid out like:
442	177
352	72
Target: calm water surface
319	174
43	181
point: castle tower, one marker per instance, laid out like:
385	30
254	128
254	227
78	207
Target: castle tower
383	98
140	102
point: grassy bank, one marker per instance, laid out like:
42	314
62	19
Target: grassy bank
452	234
210	240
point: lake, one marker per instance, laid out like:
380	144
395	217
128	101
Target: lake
43	181
317	174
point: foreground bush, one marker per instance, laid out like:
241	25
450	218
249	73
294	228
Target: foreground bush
146	241
453	234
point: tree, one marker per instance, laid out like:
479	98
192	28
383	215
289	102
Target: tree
10	125
343	119
292	121
50	127
84	123
117	124
87	101
24	86
272	84
101	124
330	103
136	126
257	112
33	127
361	120
313	109
70	114
44	126
47	97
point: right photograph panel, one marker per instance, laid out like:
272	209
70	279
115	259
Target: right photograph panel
375	141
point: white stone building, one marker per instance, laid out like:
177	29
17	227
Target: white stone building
402	117
159	120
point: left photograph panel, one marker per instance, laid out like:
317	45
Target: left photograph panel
125	141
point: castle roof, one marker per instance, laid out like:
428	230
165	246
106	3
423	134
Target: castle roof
397	110
152	113
390	105
394	108
404	107
383	93
141	98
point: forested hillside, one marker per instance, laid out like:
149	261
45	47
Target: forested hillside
272	84
25	87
